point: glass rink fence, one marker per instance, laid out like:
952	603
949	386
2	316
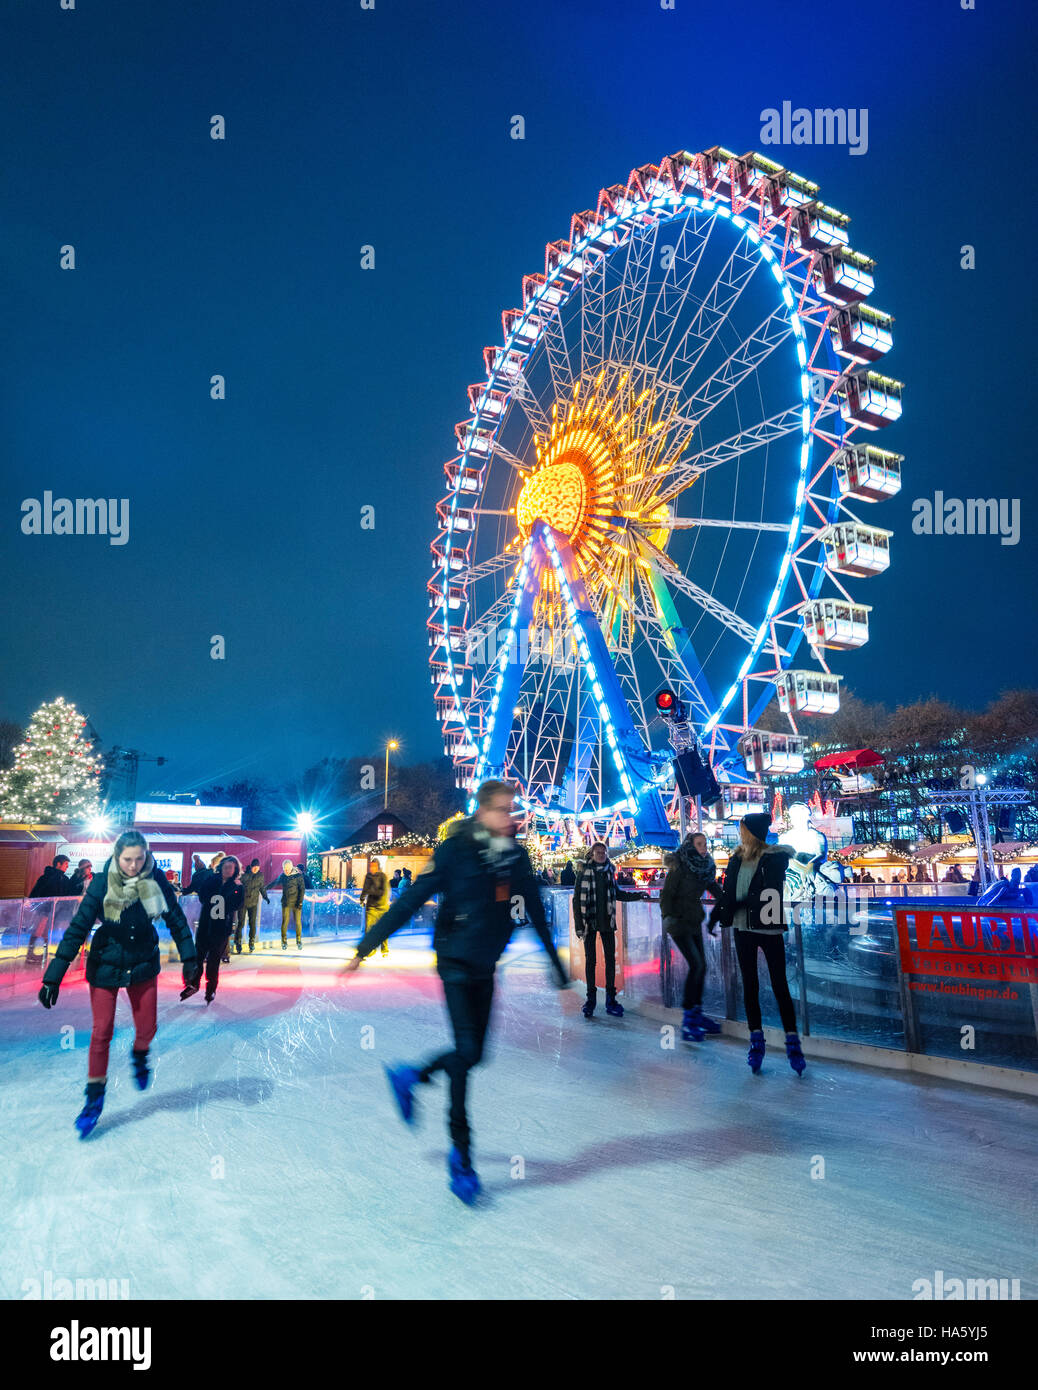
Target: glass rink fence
30	928
928	974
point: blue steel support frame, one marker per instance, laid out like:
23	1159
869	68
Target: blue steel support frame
631	757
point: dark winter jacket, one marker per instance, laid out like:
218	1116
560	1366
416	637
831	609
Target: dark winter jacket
293	888
568	877
253	887
478	896
124	952
220	898
52	883
765	909
79	882
681	897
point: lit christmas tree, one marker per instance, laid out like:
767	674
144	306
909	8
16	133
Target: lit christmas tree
56	775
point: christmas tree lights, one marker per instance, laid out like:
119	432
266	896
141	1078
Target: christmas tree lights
56	775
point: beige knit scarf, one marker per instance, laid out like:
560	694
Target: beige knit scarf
123	892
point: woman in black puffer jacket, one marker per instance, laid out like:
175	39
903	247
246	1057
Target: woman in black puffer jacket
751	902
128	897
221	895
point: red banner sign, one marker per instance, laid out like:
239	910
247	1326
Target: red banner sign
991	944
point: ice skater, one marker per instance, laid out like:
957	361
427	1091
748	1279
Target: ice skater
253	889
374	898
293	895
128	897
487	885
751	902
595	895
691	872
221	896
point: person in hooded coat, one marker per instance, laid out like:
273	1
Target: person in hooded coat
128	897
293	893
691	872
221	896
751	903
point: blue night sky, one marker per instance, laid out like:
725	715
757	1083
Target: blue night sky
391	127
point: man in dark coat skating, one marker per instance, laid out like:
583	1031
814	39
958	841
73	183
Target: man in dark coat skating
487	885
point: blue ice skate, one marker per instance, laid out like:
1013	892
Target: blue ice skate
464	1182
140	1068
88	1117
794	1053
403	1080
691	1026
755	1056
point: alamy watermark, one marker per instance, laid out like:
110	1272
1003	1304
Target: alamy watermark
78	516
970	516
53	1286
828	125
943	1287
550	646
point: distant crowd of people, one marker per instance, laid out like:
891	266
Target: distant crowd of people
240	890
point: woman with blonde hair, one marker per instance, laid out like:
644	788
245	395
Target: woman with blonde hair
751	903
128	897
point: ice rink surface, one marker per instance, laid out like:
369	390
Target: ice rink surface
267	1159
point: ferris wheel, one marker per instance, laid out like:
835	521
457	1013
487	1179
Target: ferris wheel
656	486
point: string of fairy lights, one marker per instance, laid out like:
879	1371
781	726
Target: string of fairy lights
56	774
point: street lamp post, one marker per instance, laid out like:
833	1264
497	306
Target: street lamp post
391	744
305	824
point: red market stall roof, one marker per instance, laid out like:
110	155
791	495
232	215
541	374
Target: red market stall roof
854	757
1015	849
873	854
943	851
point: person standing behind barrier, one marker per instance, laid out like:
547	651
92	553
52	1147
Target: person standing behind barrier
374	898
52	883
293	894
253	888
81	878
691	872
751	902
595	895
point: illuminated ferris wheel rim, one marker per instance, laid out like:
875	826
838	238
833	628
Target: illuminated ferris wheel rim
545	305
678	205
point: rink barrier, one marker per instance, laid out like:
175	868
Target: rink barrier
864	992
863	1054
39	923
978	1006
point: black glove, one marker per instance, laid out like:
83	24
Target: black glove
48	996
192	978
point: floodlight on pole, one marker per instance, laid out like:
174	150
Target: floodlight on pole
394	745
